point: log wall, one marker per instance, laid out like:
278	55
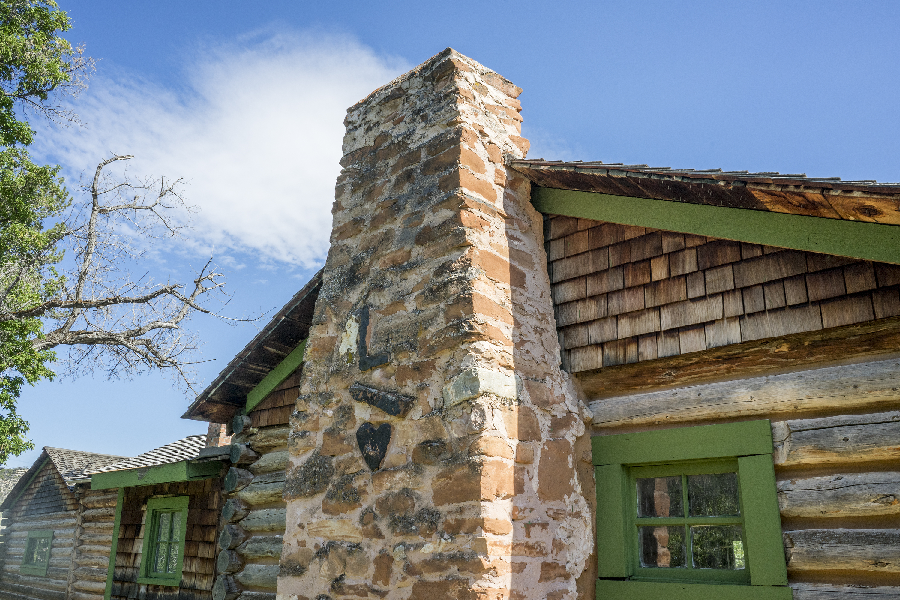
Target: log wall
837	449
47	503
200	542
253	517
628	294
90	562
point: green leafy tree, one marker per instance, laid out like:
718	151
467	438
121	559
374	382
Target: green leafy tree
34	63
87	302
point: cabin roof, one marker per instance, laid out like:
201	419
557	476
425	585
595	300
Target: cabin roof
184	449
797	194
74	466
227	393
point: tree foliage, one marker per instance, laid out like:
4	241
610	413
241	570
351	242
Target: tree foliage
35	62
66	266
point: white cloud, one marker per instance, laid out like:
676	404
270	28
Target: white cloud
255	130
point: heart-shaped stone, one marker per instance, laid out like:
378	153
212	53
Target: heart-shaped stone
373	443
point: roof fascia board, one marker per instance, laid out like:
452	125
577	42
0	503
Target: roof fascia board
180	471
275	377
856	239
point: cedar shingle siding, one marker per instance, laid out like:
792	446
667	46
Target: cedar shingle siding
626	294
200	541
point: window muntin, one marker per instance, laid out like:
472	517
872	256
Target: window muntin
36	560
678	453
686	522
162	554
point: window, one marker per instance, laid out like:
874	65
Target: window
162	552
37	552
682	510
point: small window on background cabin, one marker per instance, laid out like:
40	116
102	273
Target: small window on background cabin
36	560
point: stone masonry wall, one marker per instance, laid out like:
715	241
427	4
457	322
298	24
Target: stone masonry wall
436	449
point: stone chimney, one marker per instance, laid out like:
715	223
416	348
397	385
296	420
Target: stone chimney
436	448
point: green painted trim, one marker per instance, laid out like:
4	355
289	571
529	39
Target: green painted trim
111	570
868	241
746	446
651	590
684	443
612	546
274	378
172	472
154	507
31	569
762	519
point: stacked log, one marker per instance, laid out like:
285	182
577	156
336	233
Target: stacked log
836	432
253	516
87	580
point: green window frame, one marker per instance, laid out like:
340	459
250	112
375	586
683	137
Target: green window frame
742	448
162	553
36	559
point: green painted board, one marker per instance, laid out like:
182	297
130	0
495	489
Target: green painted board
868	241
180	471
110	571
612	555
762	519
274	378
684	443
652	590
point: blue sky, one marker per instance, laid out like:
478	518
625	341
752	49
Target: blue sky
245	101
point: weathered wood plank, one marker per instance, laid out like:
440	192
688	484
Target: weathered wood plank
870	385
821	591
273	461
860	550
269	438
258	576
835	440
787	353
263	546
262	493
849	495
266	519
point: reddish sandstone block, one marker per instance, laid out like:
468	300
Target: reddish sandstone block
491	446
554	473
522	423
551	571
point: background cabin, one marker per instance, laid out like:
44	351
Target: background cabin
166	514
58	531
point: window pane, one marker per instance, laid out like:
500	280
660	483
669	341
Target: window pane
165	526
718	547
159	564
173	559
713	495
659	497
31	551
42	550
662	546
176	527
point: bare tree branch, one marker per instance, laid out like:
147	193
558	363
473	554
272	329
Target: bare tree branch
105	316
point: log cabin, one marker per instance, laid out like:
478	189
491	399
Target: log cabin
537	379
525	379
57	531
166	512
